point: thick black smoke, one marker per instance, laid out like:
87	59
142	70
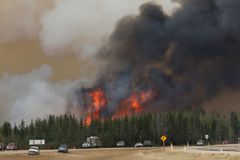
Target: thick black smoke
186	58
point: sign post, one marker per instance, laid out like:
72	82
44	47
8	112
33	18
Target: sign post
238	143
207	137
37	142
163	138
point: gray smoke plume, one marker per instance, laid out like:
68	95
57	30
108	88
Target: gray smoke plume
81	25
186	57
59	27
33	95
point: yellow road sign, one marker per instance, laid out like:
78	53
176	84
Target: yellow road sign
163	138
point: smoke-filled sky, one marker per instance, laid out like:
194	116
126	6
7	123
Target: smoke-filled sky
184	50
47	43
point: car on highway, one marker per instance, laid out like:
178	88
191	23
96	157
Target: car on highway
86	145
120	144
34	150
200	143
11	146
63	148
138	144
147	143
2	147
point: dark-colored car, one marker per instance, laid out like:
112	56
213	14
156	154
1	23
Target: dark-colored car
147	143
2	147
11	146
63	148
120	144
200	143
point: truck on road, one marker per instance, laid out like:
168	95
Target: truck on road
94	141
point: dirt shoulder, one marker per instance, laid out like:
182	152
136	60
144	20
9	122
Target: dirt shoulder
121	154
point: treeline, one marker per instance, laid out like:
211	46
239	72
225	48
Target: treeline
180	127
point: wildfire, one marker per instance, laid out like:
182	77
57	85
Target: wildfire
133	104
98	103
98	99
88	120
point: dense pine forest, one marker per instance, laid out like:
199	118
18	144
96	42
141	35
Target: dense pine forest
180	127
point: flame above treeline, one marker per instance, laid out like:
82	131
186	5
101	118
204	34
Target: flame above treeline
98	103
132	105
160	62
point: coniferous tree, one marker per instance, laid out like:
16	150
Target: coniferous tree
180	127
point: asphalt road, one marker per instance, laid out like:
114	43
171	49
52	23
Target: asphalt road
215	149
226	148
151	153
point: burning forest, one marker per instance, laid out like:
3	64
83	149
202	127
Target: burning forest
150	61
89	74
160	62
95	105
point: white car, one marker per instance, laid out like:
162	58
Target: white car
33	150
86	145
120	144
138	144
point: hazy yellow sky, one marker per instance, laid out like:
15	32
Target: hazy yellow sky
28	28
22	56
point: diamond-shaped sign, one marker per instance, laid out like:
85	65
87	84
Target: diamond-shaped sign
163	138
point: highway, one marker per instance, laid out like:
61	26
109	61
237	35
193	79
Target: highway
226	148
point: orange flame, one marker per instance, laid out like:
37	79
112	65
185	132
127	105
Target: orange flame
98	99
133	104
98	102
88	120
